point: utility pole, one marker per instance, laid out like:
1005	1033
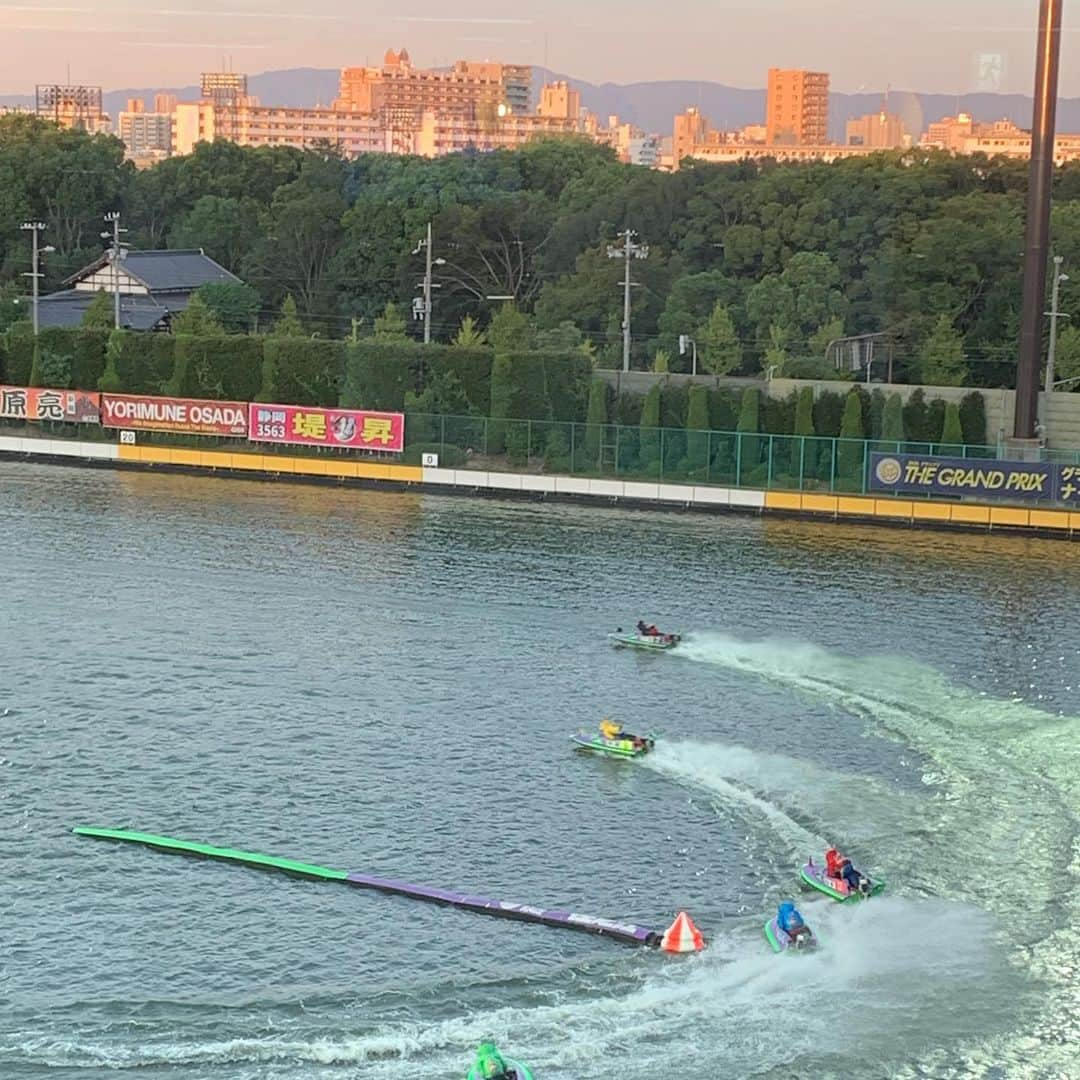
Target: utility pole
1038	222
425	246
35	228
115	255
629	250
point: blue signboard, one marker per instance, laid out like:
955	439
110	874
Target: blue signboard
1017	481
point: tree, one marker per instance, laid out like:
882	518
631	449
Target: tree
721	352
917	417
196	319
509	330
697	428
973	418
851	450
1067	356
747	427
952	433
661	362
650	433
892	424
288	323
941	358
596	419
234	305
804	426
224	228
390	325
469	335
101	312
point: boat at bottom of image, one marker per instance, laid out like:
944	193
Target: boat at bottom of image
787	931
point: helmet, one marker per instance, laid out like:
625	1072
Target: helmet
832	853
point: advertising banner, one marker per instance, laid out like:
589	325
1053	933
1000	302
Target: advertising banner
302	425
187	415
1018	481
36	403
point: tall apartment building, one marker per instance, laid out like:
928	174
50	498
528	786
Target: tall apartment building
797	110
558	100
165	103
145	134
691	129
402	94
74	107
223	87
880	131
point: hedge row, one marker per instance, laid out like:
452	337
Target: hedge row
446	380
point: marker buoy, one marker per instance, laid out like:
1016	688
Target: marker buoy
682	936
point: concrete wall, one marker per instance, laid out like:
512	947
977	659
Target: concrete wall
919	513
1062	410
1062	415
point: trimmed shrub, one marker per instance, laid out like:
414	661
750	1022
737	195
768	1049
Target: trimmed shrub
804	426
649	446
935	420
377	375
952	433
877	413
973	418
501	399
916	421
138	363
723	409
697	427
595	421
828	414
851	449
88	357
892	421
306	371
748	426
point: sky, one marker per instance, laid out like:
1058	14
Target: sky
945	46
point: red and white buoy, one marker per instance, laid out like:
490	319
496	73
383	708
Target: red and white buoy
682	936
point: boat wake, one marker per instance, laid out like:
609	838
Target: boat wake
724	1002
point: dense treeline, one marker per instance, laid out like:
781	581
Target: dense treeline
762	263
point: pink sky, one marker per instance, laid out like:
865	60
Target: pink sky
930	45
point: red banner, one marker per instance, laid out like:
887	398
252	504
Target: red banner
35	403
300	425
187	415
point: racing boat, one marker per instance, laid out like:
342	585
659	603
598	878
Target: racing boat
804	940
611	739
654	641
491	1065
815	876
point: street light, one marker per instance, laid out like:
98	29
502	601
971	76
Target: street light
425	246
685	341
629	250
35	228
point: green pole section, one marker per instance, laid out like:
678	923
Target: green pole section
802	461
188	847
768	482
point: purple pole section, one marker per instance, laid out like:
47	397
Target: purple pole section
626	932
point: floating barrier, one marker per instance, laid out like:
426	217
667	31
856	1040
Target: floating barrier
629	933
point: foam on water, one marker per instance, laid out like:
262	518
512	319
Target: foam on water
999	829
725	1005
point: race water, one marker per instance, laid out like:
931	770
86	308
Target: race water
386	683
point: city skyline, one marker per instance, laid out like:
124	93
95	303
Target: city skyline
979	45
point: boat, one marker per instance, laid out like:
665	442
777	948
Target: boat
781	941
491	1064
815	876
623	745
655	642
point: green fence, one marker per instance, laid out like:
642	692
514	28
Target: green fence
669	455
